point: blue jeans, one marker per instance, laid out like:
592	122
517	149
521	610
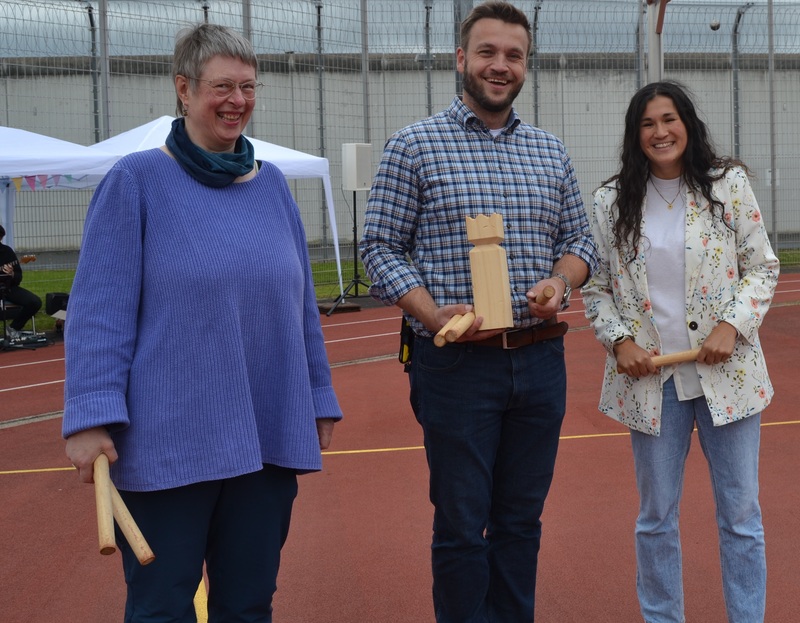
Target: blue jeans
491	421
732	455
236	525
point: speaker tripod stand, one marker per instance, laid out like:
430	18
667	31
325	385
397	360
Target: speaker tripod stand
356	280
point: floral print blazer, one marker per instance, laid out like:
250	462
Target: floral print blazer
731	274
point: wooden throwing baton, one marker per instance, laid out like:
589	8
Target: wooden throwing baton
110	506
679	357
458	324
105	513
545	295
129	528
454	329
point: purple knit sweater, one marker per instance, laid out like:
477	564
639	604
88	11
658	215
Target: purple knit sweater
193	332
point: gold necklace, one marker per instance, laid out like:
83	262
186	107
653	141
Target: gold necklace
669	203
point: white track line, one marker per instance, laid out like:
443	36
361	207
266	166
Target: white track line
360	337
30	363
359	322
13	389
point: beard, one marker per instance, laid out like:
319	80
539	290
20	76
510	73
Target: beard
474	89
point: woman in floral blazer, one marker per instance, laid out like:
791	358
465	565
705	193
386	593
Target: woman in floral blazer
686	263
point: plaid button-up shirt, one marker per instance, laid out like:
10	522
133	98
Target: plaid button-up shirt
438	171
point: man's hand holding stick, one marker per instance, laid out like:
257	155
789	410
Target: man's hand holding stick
458	324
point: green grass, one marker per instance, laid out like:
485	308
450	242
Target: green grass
790	257
326	281
327	286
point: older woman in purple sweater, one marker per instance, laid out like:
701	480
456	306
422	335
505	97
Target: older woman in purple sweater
195	357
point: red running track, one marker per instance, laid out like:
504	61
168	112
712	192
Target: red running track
358	551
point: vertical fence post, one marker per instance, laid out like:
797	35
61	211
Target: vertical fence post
105	68
735	75
461	9
321	117
773	165
535	61
428	58
655	52
365	67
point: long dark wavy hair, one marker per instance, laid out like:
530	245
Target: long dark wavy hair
699	160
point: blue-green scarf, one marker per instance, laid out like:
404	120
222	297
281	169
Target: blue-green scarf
212	169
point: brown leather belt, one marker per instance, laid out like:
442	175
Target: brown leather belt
516	338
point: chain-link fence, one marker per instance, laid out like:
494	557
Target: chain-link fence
345	71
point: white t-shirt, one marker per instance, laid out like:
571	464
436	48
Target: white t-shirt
665	226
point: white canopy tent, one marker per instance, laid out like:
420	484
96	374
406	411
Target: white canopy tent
30	161
293	164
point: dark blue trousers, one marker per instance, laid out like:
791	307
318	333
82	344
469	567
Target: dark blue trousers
491	420
237	526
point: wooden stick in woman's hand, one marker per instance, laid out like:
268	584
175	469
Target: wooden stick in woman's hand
105	515
679	357
129	528
545	295
110	507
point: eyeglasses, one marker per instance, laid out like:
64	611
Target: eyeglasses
223	88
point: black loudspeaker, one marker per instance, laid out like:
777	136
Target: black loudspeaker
55	301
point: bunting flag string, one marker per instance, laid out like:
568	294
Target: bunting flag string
44	181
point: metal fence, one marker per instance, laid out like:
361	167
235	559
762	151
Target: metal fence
344	71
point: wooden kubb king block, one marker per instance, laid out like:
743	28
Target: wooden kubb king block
489	267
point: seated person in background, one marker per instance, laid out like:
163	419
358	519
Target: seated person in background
28	301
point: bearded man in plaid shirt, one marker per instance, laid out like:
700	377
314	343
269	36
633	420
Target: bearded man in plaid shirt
490	404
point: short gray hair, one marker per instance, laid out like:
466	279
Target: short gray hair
197	45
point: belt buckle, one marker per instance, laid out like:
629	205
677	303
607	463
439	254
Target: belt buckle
504	340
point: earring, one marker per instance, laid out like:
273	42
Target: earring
185	109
